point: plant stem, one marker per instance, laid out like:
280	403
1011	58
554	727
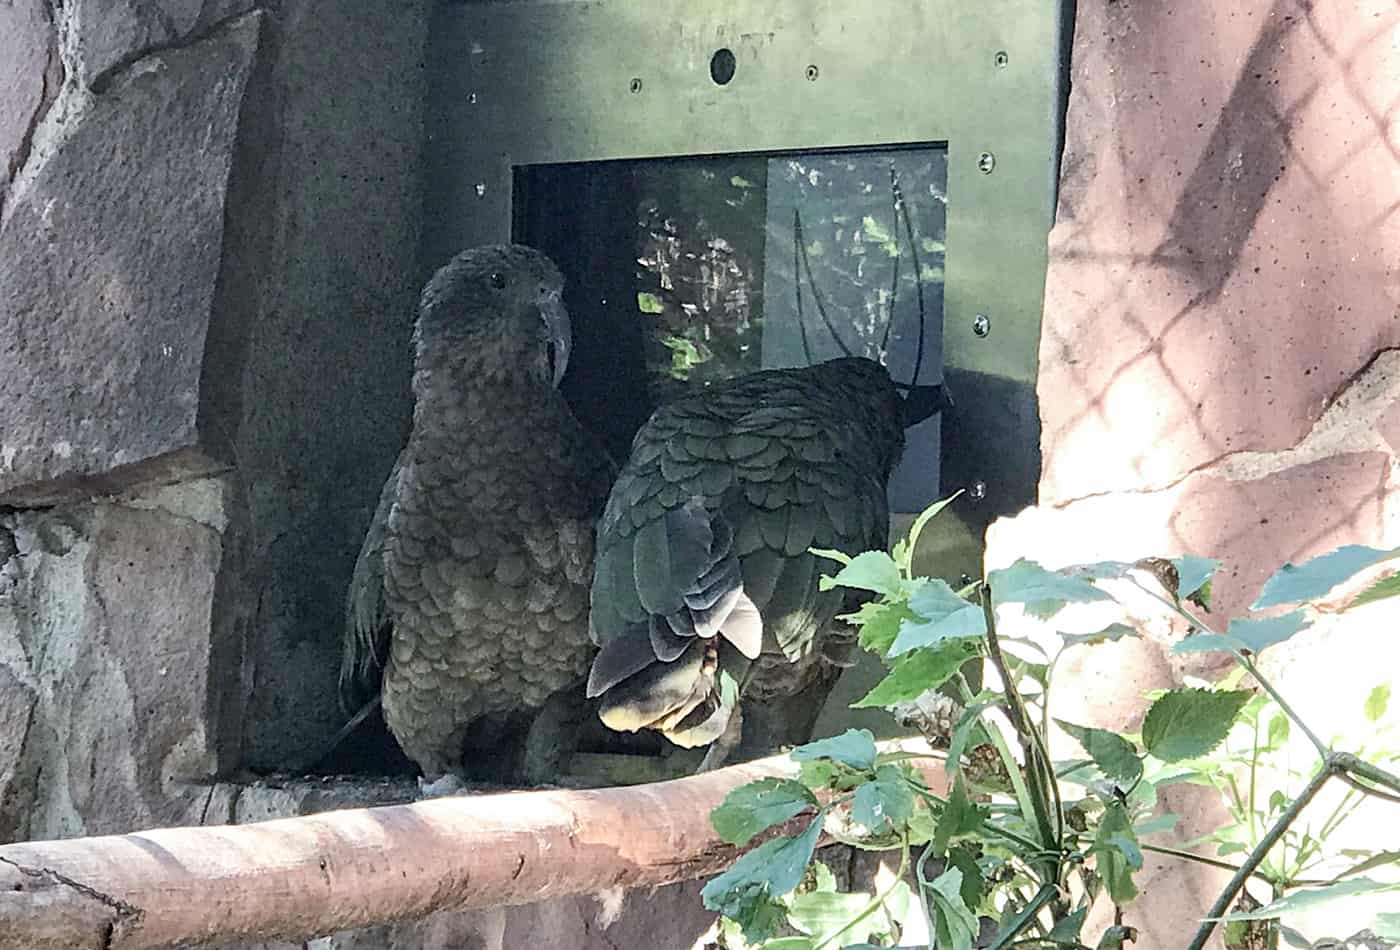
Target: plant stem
1290	814
1289	711
1365	770
1223	865
1037	764
1046	894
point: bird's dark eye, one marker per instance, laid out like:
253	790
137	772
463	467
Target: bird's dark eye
498	280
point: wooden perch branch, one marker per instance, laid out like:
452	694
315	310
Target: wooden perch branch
302	877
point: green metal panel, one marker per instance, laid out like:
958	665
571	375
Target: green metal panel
550	82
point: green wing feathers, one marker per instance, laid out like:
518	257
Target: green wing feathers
702	563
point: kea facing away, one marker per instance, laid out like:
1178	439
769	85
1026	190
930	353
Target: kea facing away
704	592
476	566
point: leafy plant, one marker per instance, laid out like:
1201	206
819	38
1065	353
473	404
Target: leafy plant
1017	848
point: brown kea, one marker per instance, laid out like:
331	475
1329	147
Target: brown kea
476	567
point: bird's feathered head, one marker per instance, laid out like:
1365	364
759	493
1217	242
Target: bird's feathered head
494	312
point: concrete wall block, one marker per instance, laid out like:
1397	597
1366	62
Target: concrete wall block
109	259
1226	252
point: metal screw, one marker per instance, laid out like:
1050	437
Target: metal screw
964	579
979	491
472	98
813	73
986	162
1001	59
981	324
481	189
636	84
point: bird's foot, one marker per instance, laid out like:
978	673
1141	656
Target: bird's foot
727	742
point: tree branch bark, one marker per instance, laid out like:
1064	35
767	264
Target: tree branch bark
302	877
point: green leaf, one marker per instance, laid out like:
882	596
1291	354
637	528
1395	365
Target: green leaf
1252	635
1156	825
960	816
757	806
1257	634
1115	937
1377	702
955	925
1279	729
869	570
965	860
1043	592
1184	723
887	801
790	943
1066	929
915	673
879	624
649	303
854	747
826	774
1295	583
771	870
1115	756
1386	925
1114	631
828	917
927	515
1314	897
946	615
1193	573
1116	850
1382	589
840	557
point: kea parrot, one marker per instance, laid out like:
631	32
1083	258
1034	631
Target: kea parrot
704	591
476	567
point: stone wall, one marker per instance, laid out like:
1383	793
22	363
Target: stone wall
1219	371
208	267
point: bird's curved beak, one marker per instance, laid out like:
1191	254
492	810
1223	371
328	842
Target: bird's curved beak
560	335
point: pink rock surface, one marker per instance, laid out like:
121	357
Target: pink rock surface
1228	242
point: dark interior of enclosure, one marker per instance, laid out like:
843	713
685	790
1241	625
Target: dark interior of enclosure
681	272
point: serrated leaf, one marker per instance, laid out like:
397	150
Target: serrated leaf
830	554
1184	723
1377	702
960	816
915	673
955	925
1250	634
769	871
1043	592
1115	756
879	624
1259	633
1193	573
1114	631
1115	848
827	916
854	747
886	802
1296	583
826	774
963	859
1383	589
944	615
870	570
758	806
1066	929
1311	898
